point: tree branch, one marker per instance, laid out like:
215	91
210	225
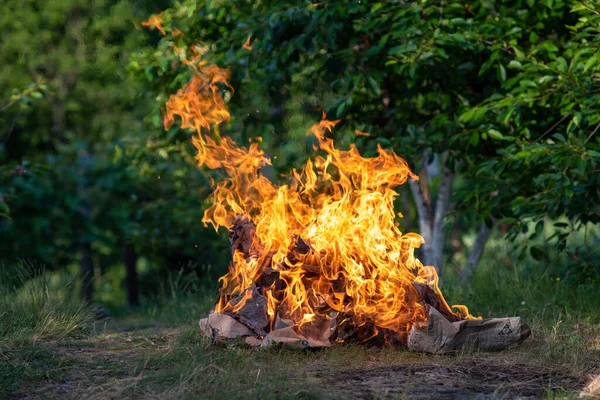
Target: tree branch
476	252
592	134
552	128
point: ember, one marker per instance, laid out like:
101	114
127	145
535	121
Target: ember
321	259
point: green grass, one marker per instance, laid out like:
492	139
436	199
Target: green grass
188	366
191	295
50	347
30	363
44	306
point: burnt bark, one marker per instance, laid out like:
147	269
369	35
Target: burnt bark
131	280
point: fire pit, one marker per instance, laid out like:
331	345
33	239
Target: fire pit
320	259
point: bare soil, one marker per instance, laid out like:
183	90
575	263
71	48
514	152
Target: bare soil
462	379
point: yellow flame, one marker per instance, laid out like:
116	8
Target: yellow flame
155	21
355	260
360	133
246	44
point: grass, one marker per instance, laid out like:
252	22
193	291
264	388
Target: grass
180	364
50	347
32	363
42	306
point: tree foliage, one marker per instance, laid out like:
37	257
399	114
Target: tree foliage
79	162
509	88
504	93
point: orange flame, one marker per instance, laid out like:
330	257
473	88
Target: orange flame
360	133
247	45
325	245
176	33
155	21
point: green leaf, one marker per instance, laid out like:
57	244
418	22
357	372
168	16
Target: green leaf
537	253
590	62
468	115
4	209
376	7
561	64
494	134
501	73
533	37
518	52
551	47
514	64
528	83
594	153
578	7
374	85
507	115
340	109
474	139
539	227
396	50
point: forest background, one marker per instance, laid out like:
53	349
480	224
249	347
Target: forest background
494	104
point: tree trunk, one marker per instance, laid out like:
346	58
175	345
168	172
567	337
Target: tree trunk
425	223
441	209
87	272
432	227
473	261
131	281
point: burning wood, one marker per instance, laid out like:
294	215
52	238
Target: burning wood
444	331
319	260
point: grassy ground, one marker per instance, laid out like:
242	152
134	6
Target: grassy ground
52	347
177	363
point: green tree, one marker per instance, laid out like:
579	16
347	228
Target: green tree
77	49
443	83
84	175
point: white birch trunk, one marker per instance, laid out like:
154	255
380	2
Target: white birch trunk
425	223
432	225
438	240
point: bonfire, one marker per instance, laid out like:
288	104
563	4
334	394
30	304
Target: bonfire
319	259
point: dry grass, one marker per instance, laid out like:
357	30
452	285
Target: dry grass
167	364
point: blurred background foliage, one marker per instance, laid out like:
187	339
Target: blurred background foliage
501	95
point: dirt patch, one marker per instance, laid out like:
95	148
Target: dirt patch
457	381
